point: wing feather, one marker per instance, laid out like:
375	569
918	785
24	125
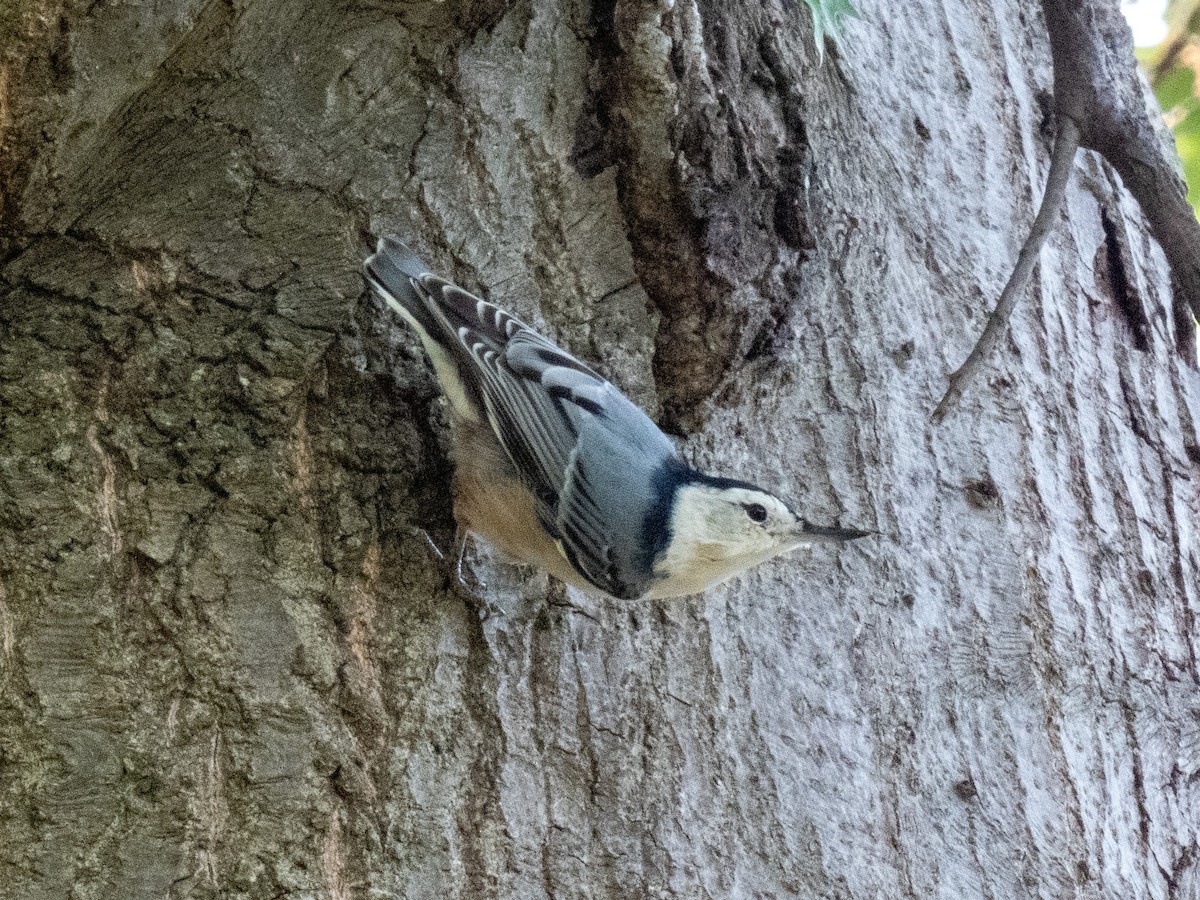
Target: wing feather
541	402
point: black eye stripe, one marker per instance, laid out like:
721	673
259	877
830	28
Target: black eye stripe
756	511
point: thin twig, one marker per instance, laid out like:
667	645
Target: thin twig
1062	158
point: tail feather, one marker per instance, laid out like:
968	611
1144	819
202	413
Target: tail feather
399	277
439	307
393	260
390	270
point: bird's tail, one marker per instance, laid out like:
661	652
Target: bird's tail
399	277
390	271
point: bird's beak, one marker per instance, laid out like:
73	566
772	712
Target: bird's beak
806	532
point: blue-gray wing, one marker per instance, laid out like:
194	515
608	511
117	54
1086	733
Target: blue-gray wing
585	451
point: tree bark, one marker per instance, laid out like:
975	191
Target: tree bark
230	665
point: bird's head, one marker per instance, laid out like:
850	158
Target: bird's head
718	527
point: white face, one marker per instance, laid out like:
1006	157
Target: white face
743	521
719	531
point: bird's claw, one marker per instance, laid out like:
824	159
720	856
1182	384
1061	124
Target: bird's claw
453	579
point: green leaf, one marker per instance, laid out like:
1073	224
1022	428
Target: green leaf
827	20
1175	88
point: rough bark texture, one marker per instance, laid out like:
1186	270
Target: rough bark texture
1098	87
229	666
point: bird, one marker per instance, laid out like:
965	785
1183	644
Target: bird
557	468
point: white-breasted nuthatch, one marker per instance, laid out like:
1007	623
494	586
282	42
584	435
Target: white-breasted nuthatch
557	468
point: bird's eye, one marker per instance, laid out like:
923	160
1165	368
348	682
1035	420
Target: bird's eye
757	512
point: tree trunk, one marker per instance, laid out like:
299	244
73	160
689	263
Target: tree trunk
231	664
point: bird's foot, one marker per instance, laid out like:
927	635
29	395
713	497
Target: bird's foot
452	571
